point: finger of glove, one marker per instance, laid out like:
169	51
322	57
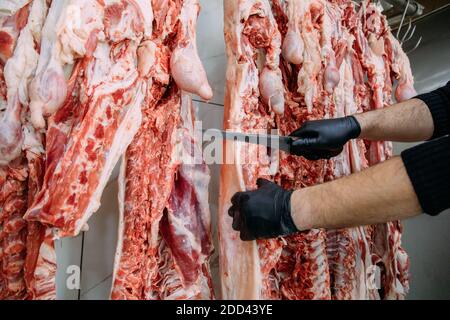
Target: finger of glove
303	147
312	156
328	154
323	155
261	182
296	151
237	222
232	210
246	236
238	197
245	233
305	143
334	152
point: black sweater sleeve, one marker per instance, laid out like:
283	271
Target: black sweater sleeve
438	101
428	164
428	167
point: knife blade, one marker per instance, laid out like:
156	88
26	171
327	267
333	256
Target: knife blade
269	140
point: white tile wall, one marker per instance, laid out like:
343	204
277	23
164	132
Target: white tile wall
99	291
215	68
95	254
212	117
211	45
92	251
68	252
210	29
100	243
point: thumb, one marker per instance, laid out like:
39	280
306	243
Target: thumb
335	152
262	182
238	197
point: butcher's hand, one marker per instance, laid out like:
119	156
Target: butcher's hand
324	139
263	213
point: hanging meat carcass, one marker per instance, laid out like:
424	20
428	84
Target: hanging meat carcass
28	262
328	48
107	111
254	44
164	234
91	80
103	116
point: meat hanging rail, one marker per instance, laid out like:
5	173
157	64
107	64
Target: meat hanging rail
332	60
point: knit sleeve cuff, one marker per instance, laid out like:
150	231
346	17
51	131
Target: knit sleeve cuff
428	167
438	103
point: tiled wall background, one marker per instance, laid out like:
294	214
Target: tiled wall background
425	239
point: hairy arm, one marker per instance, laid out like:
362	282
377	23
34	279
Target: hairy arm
376	195
407	121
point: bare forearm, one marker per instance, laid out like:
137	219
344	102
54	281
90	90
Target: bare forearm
407	121
378	194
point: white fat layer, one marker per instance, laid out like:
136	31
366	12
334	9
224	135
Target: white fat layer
10	7
21	67
240	78
45	271
179	225
18	72
146	9
49	33
31	140
124	28
79	19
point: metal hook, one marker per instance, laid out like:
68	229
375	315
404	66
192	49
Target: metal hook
416	46
410	35
403	19
406	33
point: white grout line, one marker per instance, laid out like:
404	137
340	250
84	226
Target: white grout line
96	285
211	103
218	55
81	265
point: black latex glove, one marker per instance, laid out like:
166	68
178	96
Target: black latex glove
263	213
324	139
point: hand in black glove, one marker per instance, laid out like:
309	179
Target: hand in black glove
263	213
324	139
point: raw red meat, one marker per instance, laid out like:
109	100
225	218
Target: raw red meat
164	236
28	262
128	62
164	232
13	201
108	103
10	26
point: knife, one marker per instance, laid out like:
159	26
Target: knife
282	143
